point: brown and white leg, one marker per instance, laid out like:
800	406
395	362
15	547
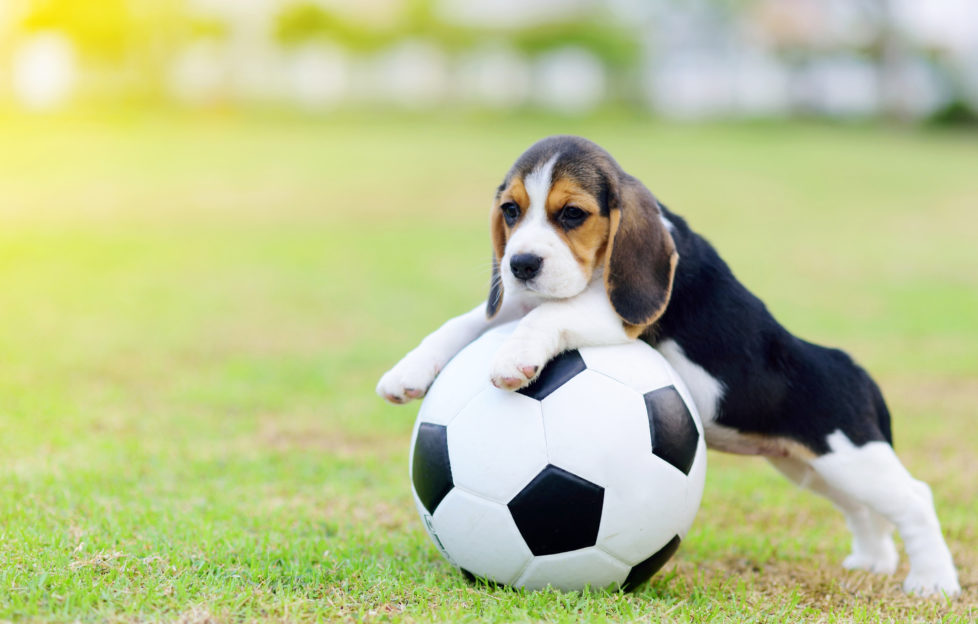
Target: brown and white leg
873	476
872	541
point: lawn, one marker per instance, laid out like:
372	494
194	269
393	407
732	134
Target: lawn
195	311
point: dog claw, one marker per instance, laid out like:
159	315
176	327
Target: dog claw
529	371
413	393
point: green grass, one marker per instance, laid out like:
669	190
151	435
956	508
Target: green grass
194	312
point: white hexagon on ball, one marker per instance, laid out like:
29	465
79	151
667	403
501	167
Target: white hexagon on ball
455	384
495	457
596	427
565	570
589	477
634	364
481	537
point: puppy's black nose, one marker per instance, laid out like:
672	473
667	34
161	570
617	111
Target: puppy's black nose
525	266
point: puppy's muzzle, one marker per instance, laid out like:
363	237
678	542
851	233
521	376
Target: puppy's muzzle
525	266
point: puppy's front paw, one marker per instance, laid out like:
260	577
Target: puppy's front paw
517	363
884	562
409	379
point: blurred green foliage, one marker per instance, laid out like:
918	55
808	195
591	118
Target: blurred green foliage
614	45
303	22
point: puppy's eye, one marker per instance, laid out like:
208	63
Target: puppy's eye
511	212
572	216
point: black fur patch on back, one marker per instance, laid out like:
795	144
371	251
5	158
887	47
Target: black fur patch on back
775	383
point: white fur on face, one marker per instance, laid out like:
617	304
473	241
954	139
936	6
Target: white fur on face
560	275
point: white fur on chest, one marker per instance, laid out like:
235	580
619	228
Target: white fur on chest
705	389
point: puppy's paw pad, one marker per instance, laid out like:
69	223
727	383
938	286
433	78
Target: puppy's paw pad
516	365
508	383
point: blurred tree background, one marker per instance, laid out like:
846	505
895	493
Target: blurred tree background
702	59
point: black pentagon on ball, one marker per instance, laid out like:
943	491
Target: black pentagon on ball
674	434
643	570
556	373
558	512
431	470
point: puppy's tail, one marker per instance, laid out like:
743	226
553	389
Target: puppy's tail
882	413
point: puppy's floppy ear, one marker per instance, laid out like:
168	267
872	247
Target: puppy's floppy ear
641	257
498	231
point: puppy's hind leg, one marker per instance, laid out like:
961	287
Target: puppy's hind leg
872	475
872	541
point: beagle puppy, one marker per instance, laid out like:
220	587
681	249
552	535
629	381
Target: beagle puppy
583	254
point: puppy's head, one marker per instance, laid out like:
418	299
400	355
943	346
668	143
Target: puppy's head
565	215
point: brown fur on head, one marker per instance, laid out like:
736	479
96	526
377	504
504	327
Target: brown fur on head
621	234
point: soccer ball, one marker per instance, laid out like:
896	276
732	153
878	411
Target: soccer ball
588	477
